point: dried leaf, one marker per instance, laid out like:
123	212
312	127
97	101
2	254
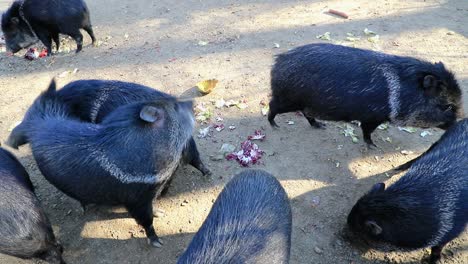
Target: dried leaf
374	39
265	110
425	133
369	32
207	86
408	129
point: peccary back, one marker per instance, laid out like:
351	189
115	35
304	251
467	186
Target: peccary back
333	82
427	206
25	230
250	222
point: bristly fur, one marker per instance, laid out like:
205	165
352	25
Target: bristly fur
24	228
250	222
426	207
339	83
125	160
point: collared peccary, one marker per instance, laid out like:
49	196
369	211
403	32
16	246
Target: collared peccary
126	160
428	206
250	222
28	21
339	83
25	230
93	100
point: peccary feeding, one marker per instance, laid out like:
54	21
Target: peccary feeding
28	21
126	160
250	222
428	206
339	83
25	230
93	100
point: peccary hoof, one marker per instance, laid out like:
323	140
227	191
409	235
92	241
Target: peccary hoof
155	242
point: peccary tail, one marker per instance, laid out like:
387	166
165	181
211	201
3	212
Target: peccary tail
47	105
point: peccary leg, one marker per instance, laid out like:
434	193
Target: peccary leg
311	119
436	253
367	129
272	113
166	186
143	214
90	32
46	39
192	156
56	39
78	37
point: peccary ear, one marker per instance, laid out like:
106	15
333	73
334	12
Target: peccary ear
14	20
377	188
430	84
52	87
373	227
149	114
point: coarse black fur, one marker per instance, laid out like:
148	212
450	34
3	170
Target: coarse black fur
25	230
426	207
93	100
250	222
126	160
339	83
48	19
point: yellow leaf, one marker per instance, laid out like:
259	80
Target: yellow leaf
207	86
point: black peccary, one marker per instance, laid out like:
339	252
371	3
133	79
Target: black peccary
126	160
28	21
25	230
339	83
250	222
93	100
428	206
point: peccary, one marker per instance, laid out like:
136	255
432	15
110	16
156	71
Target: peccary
250	222
25	230
28	21
339	83
93	100
426	207
126	160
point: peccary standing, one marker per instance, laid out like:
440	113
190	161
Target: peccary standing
93	100
28	21
25	230
250	222
339	83
126	160
428	206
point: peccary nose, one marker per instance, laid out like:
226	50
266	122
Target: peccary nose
445	126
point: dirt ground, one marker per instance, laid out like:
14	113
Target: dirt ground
171	45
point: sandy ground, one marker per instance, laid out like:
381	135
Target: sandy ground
171	45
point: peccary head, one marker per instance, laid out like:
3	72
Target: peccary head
441	102
17	33
362	218
40	108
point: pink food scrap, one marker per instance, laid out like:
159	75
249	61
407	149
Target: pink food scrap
247	155
258	135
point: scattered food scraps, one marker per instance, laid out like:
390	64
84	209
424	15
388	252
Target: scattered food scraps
374	39
232	127
265	110
203	113
324	36
249	154
202	43
218	127
407	152
383	126
407	129
204	132
338	13
349	132
276	45
290	122
207	86
220	103
369	32
33	54
227	148
425	133
258	135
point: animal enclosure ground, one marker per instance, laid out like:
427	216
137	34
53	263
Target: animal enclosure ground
171	45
